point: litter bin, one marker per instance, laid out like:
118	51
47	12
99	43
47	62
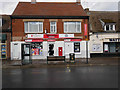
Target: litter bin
72	57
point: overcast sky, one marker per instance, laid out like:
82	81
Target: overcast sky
8	6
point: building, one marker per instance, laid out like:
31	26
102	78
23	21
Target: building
49	28
5	36
104	33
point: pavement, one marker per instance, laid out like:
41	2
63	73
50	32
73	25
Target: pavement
78	62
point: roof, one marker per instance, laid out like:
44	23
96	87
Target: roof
49	9
107	21
105	16
6	23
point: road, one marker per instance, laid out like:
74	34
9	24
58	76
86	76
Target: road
61	77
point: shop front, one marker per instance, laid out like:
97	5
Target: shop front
112	46
105	45
43	45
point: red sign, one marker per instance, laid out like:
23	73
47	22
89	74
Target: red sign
51	35
51	40
85	30
76	40
67	40
34	40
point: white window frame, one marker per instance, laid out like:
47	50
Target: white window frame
28	31
53	26
105	29
76	28
0	22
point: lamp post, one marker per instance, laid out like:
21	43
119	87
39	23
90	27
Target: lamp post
86	52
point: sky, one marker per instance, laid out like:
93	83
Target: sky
8	6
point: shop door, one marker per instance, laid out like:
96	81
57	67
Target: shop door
60	50
51	49
26	55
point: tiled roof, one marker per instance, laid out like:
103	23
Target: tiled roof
49	9
107	21
106	16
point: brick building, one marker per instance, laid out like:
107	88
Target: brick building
51	28
5	36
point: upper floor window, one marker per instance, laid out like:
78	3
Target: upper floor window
33	27
53	28
109	27
72	27
0	22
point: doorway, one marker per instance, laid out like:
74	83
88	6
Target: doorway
50	49
26	54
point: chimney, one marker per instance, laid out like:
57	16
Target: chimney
78	2
87	11
33	1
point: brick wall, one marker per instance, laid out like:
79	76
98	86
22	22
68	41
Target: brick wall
19	35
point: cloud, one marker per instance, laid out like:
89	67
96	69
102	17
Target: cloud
8	6
103	6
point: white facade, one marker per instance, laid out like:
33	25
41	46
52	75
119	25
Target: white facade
16	50
67	48
97	40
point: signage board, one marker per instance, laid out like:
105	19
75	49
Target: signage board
114	39
34	36
85	30
66	35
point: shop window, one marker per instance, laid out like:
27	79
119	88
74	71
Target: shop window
112	47
33	27
37	48
53	27
72	27
76	46
118	47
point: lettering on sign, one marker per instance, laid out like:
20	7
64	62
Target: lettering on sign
35	35
114	39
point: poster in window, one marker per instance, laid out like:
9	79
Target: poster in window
106	47
96	47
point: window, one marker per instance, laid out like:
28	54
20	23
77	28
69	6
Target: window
37	48
33	27
0	22
76	46
109	27
72	27
53	27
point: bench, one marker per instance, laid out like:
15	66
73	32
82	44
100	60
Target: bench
55	58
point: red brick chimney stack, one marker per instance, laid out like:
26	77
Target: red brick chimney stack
33	1
78	2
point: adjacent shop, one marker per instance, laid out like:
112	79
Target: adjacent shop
106	45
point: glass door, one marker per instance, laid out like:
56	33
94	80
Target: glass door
26	54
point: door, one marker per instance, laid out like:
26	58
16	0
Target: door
60	51
50	49
26	54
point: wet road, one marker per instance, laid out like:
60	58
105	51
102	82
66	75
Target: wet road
61	77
